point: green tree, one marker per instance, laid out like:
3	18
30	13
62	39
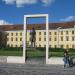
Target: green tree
3	39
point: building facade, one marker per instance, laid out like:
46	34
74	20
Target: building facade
61	35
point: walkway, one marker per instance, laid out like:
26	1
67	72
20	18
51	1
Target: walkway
26	69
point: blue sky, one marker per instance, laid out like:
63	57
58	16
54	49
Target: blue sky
13	11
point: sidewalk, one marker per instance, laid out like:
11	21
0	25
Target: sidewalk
29	69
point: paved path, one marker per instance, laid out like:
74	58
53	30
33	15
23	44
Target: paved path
28	69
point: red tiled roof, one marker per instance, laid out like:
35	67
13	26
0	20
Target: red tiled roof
37	26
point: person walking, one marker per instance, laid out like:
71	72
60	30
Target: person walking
66	58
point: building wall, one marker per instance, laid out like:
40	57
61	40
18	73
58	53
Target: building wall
64	38
14	38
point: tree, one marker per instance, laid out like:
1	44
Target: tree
3	39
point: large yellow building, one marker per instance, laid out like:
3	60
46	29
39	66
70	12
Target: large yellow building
61	35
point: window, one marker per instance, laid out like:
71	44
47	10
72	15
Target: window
16	45
44	33
72	46
20	39
49	39
55	39
49	46
61	32
44	39
39	33
11	39
67	46
39	39
20	34
16	39
62	46
8	45
39	45
66	32
67	38
72	32
61	38
16	34
11	34
72	38
49	33
55	33
20	45
7	34
55	46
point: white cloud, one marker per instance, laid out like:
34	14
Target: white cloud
20	3
3	22
9	1
69	18
48	2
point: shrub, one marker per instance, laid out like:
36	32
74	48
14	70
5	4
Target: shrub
56	49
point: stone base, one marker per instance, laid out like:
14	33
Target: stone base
12	59
3	59
55	61
15	59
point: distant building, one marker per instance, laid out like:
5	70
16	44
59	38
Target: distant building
61	35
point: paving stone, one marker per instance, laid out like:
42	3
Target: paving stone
31	69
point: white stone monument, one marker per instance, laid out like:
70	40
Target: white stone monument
24	36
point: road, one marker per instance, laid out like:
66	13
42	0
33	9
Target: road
31	69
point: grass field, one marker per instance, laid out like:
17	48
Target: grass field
38	52
11	52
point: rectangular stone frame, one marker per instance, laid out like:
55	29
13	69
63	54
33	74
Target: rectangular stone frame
24	37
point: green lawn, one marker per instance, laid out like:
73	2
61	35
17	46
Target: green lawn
61	54
10	53
38	52
56	54
35	53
